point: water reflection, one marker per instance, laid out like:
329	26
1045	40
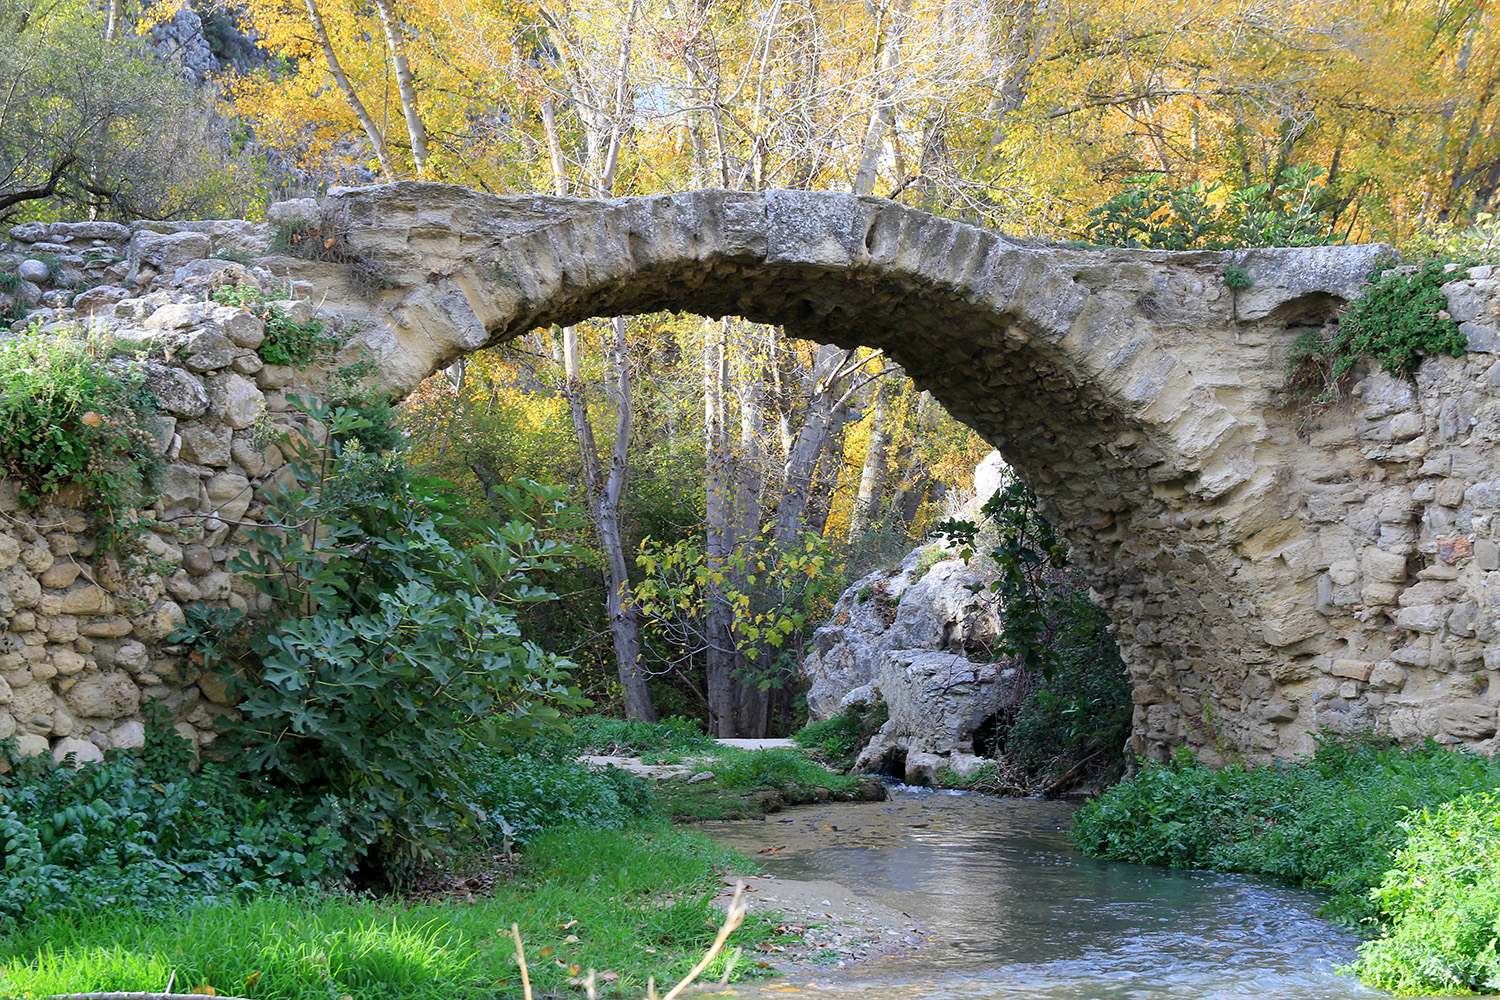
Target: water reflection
1017	912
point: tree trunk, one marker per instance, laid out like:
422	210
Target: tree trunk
377	141
872	476
916	475
720	659
826	479
604	493
807	447
554	149
1011	73
750	462
405	85
115	20
883	113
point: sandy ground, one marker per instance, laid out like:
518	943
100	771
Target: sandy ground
839	927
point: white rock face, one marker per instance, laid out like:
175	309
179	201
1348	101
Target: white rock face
898	610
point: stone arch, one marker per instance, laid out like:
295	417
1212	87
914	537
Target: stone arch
1134	390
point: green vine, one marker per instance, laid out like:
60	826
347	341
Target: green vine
1026	548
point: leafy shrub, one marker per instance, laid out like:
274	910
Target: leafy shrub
837	741
1477	241
520	795
69	414
392	647
1152	214
1442	897
144	832
1330	821
1026	547
286	342
1083	709
1398	321
291	343
1077	708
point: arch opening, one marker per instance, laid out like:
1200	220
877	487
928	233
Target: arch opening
1113	382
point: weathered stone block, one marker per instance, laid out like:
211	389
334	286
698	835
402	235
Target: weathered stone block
1358	670
82	751
61	575
158	623
242	402
1387	676
104	696
206	443
88	599
1385	567
1424	618
165	252
178	392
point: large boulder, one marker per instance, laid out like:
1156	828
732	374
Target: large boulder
925	603
931	600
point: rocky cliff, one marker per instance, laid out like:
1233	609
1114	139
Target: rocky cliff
919	638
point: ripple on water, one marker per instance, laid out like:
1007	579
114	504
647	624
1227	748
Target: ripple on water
1017	912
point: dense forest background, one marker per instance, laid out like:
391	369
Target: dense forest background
734	480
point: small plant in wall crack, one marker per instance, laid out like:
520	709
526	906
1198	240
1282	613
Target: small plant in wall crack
1400	320
1237	278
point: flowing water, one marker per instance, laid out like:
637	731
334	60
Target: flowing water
1014	910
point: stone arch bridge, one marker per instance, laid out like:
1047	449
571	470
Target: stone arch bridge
1270	570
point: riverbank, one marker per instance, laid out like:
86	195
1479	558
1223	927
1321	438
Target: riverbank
138	873
1406	840
632	904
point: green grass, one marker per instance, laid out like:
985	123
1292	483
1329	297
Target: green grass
747	784
778	768
676	736
1406	840
838	741
1330	821
640	899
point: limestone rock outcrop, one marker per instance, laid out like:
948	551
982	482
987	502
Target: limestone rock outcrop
923	604
921	639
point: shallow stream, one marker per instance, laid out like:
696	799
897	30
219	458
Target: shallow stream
1014	910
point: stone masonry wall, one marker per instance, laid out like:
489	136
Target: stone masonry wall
1271	569
84	645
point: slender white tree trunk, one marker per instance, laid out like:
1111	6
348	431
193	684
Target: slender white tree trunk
351	97
405	85
872	475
